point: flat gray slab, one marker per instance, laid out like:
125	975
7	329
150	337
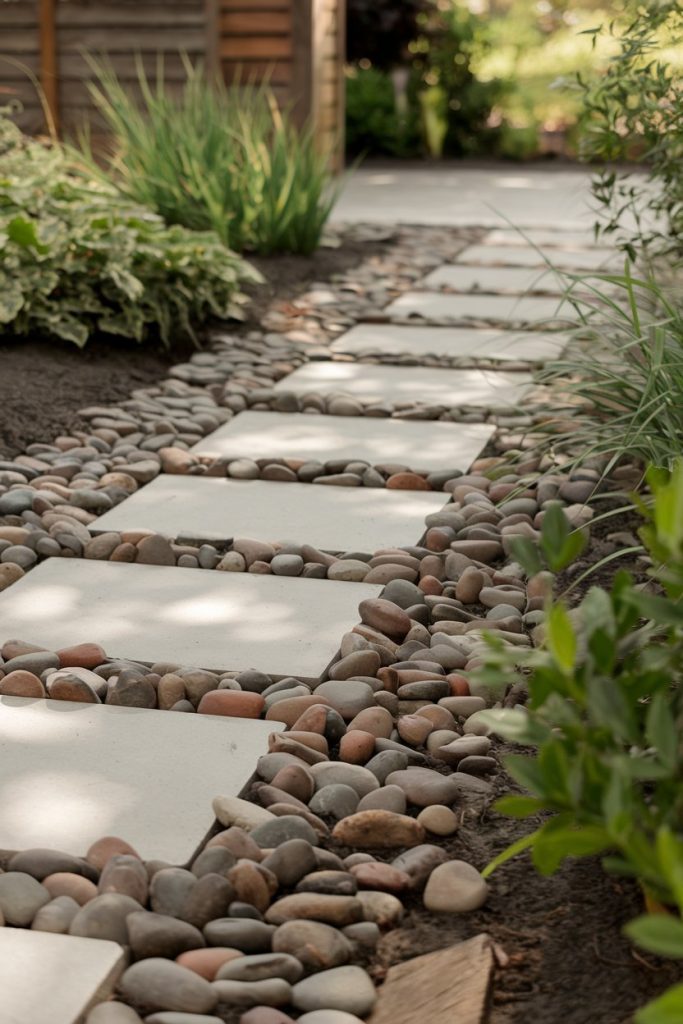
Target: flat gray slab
598	260
71	773
420	445
54	979
331	518
194	617
543	237
453	342
441	308
392	384
494	280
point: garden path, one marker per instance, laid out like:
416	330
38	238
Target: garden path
77	757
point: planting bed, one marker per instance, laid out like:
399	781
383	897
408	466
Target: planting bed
360	841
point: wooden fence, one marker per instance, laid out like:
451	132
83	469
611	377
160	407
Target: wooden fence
298	45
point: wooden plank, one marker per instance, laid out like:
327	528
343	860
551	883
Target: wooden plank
48	59
256	23
449	987
258	5
17	15
303	95
10	73
261	48
212	39
74	65
152	15
24	40
147	39
340	10
276	72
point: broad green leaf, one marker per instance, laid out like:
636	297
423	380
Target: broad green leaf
667	1009
518	806
560	637
554	844
516	724
526	553
23	232
657	933
660	729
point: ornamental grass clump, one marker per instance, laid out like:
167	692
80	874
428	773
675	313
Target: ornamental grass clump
215	157
78	259
604	724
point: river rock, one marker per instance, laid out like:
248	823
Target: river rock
342	988
378	830
455	887
158	984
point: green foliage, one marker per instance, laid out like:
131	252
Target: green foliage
605	714
634	110
630	381
77	258
214	157
374	123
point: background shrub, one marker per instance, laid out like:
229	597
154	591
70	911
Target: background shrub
216	157
77	258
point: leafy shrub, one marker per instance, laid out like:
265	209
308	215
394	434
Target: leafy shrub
373	122
634	111
77	258
605	716
630	379
216	158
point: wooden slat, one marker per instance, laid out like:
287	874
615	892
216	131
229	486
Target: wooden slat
148	40
258	5
74	65
255	23
152	15
23	40
260	48
212	38
48	58
303	97
16	15
276	72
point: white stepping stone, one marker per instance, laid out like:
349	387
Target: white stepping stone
392	384
330	518
452	342
494	280
71	773
440	308
418	444
597	260
215	620
571	240
54	979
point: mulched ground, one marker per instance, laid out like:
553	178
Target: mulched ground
44	383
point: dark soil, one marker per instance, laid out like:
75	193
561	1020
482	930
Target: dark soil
43	383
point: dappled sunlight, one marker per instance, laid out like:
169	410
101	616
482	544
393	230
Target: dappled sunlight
213	620
334	519
430	445
454	342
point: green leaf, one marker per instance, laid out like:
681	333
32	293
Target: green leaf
516	724
668	1009
518	806
511	851
556	843
526	553
23	232
657	933
560	637
661	732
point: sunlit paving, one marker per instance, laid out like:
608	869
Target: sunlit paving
438	308
450	342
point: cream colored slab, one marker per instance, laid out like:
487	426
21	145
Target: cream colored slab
193	617
391	384
417	444
71	773
570	240
54	979
497	280
331	518
439	308
451	342
597	260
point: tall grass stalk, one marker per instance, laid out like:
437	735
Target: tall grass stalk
215	156
629	382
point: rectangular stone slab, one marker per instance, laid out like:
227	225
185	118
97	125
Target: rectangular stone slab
542	237
450	986
440	308
330	518
71	773
452	342
194	617
392	384
417	444
54	979
598	260
497	280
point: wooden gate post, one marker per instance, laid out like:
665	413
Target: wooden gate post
47	11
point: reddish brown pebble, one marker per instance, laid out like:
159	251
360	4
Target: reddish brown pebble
207	962
459	685
21	684
376	721
233	703
440	717
378	829
356	747
430	585
414	729
437	539
314	719
81	656
385	616
407	482
265	1015
250	885
109	846
309	739
296	781
64	883
376	875
290	711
